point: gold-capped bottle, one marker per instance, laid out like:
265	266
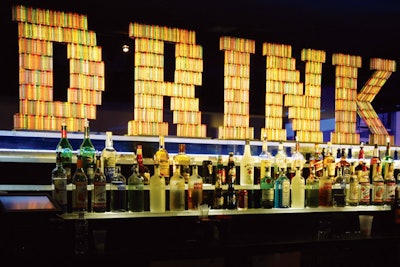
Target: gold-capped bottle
162	157
183	161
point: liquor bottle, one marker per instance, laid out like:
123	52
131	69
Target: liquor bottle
374	161
80	187
325	187
378	187
177	190
298	190
297	157
390	186
207	172
280	160
396	208
218	202
135	190
339	188
317	161
352	197
162	157
242	199
220	171
66	150
267	189
157	190
387	159
282	190
231	169
118	191
305	172
365	187
195	189
59	181
81	234
361	158
183	161
343	163
109	157
328	157
230	197
312	190
265	158
87	151
99	195
247	166
144	172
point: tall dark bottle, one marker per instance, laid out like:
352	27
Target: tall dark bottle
66	151
99	194
218	202
88	153
135	190
231	169
59	180
230	197
118	191
79	187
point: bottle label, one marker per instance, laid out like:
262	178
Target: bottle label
109	172
286	193
267	194
365	192
99	195
60	190
80	196
390	189
248	178
378	190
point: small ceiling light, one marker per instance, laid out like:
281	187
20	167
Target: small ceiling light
125	48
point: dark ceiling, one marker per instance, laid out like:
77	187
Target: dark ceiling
366	28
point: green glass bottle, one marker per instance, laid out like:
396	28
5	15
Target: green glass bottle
66	151
88	152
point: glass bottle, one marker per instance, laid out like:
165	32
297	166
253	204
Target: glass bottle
162	157
328	157
297	156
207	172
157	190
265	158
365	186
325	186
305	172
118	191
267	189
231	169
361	158
183	161
298	190
99	195
317	161
378	187
343	163
390	186
87	151
247	166
280	160
386	160
109	157
352	196
339	189
312	190
65	149
59	181
282	190
177	190
218	202
375	159
231	198
144	172
195	189
135	190
80	187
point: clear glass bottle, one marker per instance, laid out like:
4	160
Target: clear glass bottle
59	181
65	149
378	187
79	187
177	190
183	161
265	158
247	166
87	151
280	160
157	190
312	190
390	185
109	157
99	195
195	189
282	191
297	157
267	189
143	171
365	187
135	190
162	157
298	190
118	191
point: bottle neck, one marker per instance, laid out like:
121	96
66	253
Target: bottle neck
87	132
64	132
